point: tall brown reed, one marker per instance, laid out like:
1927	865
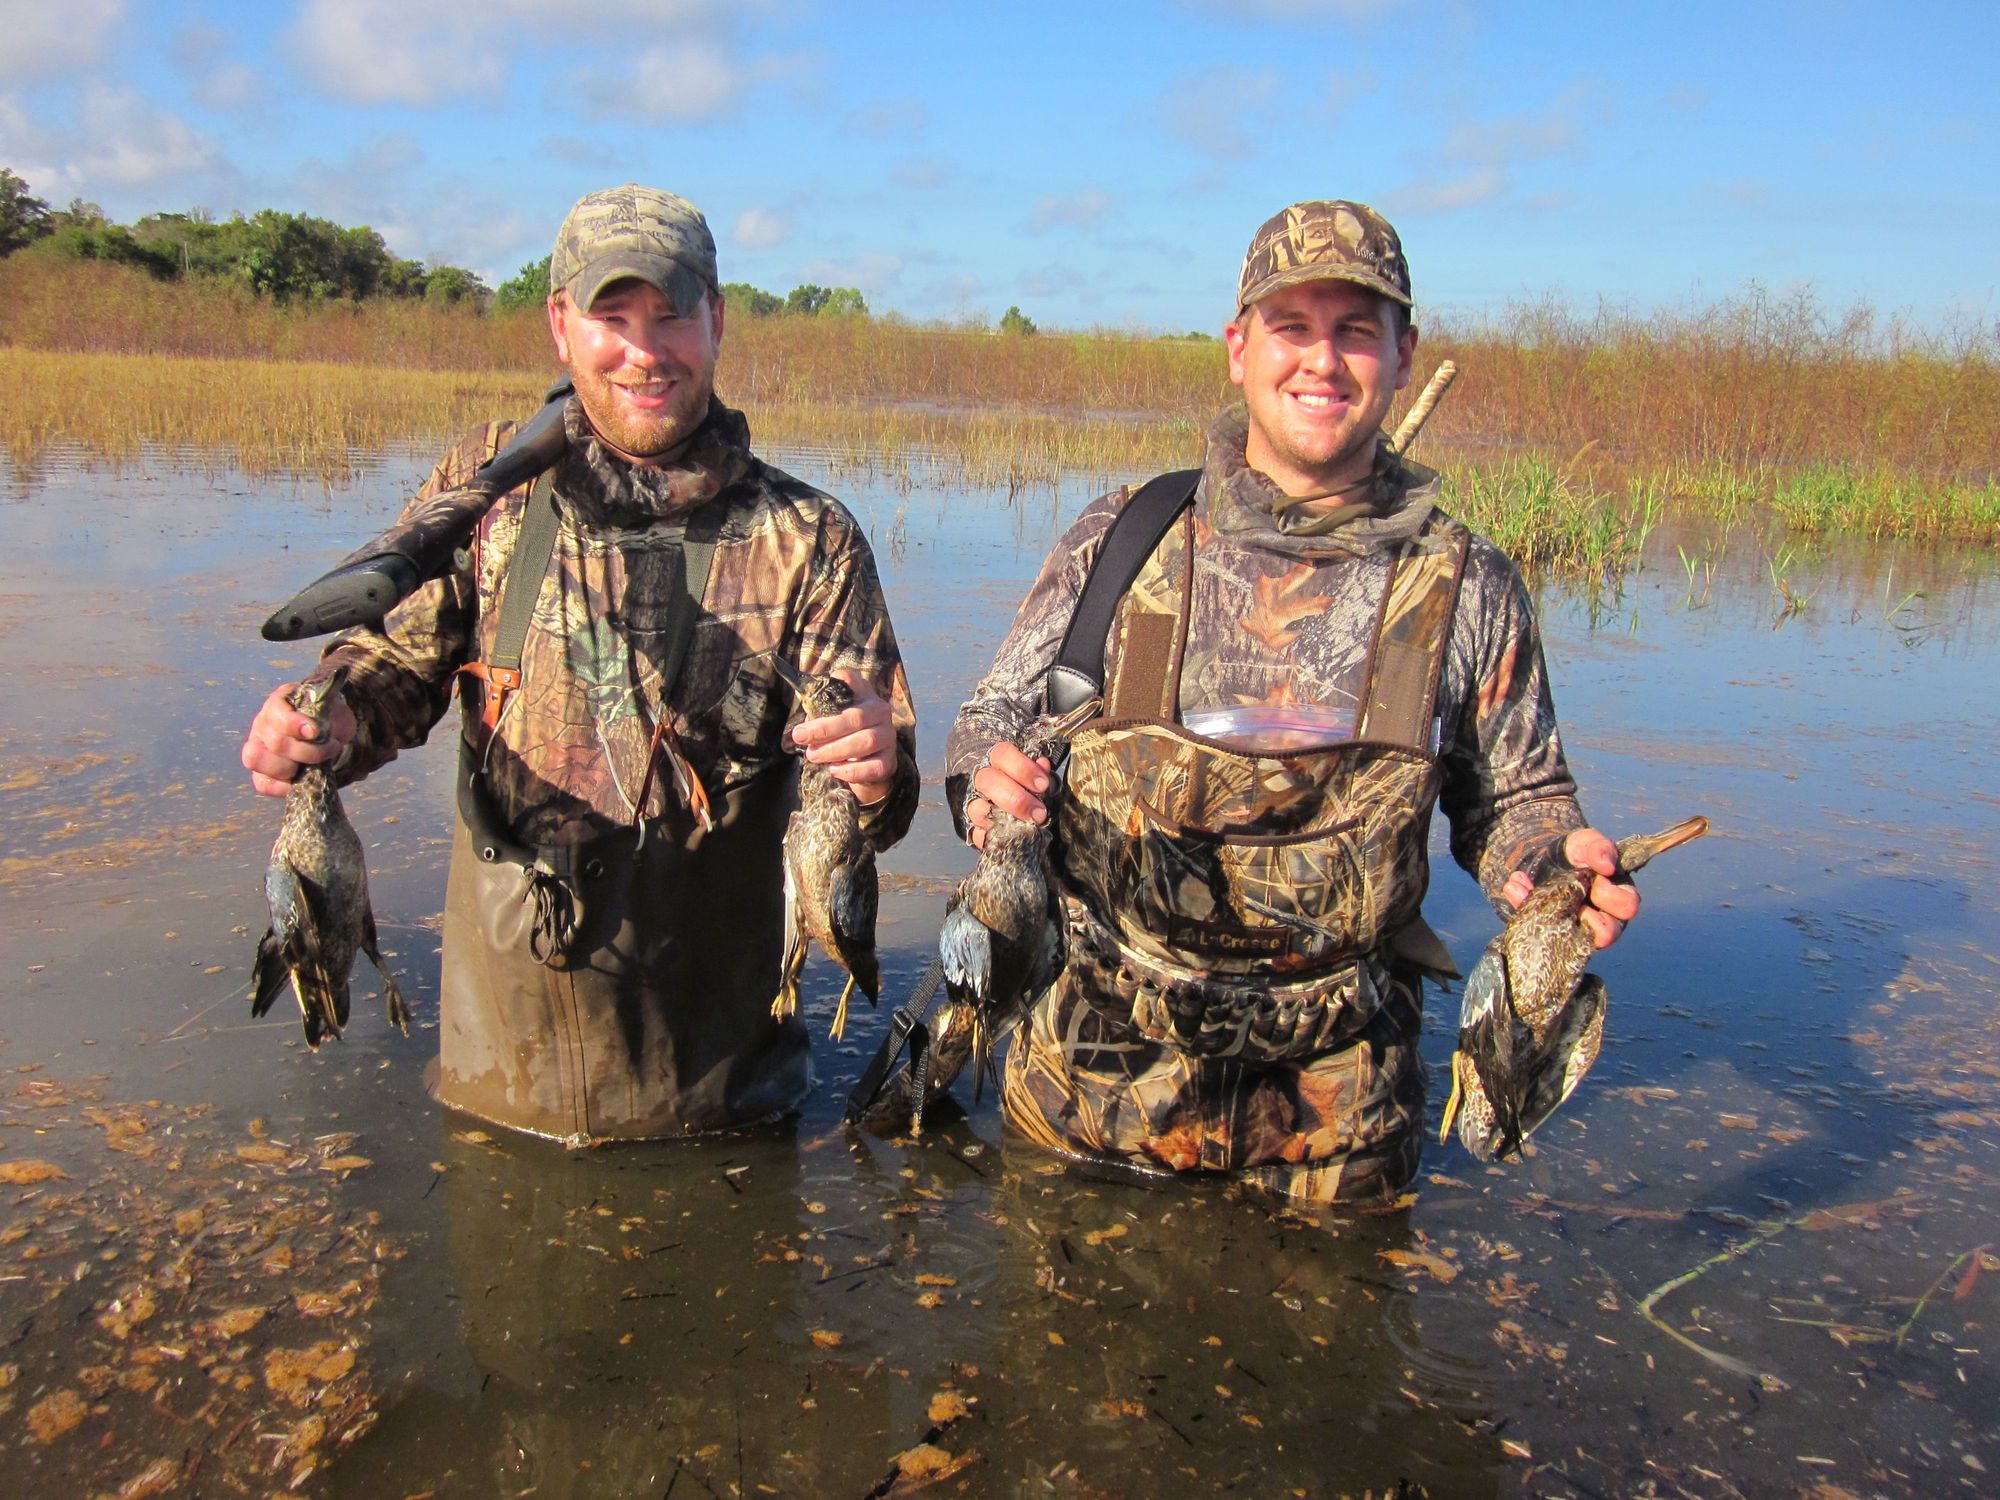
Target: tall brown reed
1752	402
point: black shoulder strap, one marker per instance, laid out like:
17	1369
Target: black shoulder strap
1078	675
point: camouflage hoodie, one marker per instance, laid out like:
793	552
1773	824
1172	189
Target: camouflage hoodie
1283	614
792	574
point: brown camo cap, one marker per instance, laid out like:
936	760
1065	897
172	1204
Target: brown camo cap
1324	240
634	231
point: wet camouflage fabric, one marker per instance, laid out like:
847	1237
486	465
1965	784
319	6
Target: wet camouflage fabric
792	574
1346	1125
1221	899
634	231
1323	240
1279	619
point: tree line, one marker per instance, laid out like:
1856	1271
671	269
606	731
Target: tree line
298	257
530	285
281	255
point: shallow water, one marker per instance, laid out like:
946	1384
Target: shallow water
1795	1112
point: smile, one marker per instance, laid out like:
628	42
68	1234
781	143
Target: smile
1316	400
648	394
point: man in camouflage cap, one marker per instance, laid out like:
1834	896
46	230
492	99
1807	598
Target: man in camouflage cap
614	916
1309	656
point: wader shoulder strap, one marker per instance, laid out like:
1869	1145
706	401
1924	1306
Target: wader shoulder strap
697	556
1078	674
534	545
526	569
1412	639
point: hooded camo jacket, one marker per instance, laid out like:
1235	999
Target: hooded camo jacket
1281	616
792	575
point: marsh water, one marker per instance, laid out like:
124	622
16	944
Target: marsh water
1758	1253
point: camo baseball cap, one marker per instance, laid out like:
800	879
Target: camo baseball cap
634	231
1324	240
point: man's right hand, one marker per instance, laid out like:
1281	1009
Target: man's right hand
282	740
1006	779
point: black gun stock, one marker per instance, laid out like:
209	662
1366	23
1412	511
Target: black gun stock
368	583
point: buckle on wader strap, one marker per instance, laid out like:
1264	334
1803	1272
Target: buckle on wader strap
500	682
554	901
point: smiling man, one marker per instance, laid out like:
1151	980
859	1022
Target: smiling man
614	917
1298	656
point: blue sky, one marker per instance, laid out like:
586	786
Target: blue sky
1095	163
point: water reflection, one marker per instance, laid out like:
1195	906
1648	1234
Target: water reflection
1790	1139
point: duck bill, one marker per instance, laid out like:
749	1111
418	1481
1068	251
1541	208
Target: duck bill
1635	852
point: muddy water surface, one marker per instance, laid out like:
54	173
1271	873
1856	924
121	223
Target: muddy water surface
1757	1254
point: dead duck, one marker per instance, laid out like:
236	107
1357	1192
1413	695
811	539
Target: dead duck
830	888
1532	1022
316	885
1001	944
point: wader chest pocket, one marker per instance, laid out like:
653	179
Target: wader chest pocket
1242	900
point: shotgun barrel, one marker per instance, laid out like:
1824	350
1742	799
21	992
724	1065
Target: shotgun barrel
369	582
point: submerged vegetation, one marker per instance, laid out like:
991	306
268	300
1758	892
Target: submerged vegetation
1567	438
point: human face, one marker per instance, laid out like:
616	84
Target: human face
1319	364
643	373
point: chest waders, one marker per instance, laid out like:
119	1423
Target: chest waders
587	991
1226	902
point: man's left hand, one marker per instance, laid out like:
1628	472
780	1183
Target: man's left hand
858	744
1611	906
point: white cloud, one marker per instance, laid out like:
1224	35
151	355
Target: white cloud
119	141
1447	193
392	51
386	51
690	80
1081	210
45	38
761	228
1479	159
232	86
219	82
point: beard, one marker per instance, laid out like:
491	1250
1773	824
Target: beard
645	434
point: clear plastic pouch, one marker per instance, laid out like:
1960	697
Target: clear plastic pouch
1265	730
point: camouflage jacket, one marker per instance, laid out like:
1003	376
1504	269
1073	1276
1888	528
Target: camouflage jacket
792	574
1283	615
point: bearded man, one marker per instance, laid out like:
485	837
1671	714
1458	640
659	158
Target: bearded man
1298	655
614	914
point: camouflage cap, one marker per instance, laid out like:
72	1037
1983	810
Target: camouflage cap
634	231
1324	240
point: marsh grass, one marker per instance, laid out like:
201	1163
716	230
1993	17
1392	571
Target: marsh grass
1567	435
1536	514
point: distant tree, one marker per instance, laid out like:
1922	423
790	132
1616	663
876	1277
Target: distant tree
809	299
751	302
1014	321
81	232
454	285
23	217
80	211
527	287
845	302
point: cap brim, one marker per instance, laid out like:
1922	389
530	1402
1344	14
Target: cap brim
1300	275
679	284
